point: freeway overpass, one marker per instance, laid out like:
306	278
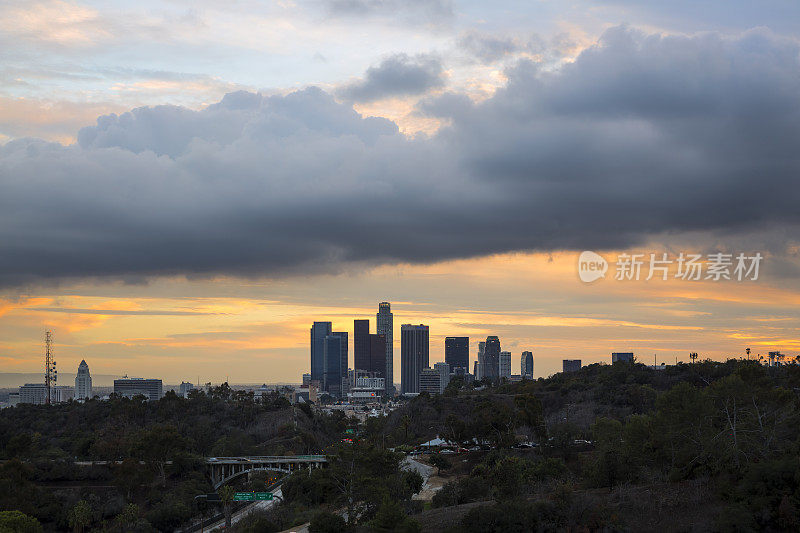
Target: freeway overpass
225	469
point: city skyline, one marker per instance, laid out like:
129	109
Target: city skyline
187	186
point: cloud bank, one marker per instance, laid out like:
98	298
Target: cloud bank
642	135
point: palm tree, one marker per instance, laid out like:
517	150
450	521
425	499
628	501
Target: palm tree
80	516
693	356
226	494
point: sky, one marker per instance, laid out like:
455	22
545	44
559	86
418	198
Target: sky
185	186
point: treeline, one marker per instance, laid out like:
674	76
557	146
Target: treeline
154	454
706	446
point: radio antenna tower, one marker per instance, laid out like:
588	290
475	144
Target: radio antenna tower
50	372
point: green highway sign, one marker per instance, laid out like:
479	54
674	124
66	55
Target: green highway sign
251	496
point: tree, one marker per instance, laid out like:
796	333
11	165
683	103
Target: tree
17	522
226	494
128	517
80	516
440	462
327	522
531	414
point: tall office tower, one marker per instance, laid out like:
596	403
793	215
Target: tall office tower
333	346
526	365
376	363
361	353
83	382
476	370
505	365
319	331
571	365
414	351
345	361
479	369
385	326
456	352
491	358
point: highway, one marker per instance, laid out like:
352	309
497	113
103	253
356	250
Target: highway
244	511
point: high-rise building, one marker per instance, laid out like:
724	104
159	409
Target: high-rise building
319	330
345	361
626	357
571	365
491	358
152	389
481	365
475	370
526	365
361	348
83	382
335	352
377	355
414	352
505	365
385	326
444	375
456	352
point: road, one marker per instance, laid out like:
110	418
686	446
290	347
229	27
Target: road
257	506
426	472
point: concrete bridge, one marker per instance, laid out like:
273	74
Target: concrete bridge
224	469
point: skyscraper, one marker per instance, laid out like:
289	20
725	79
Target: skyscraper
480	364
83	382
361	349
456	352
385	326
335	351
505	365
526	365
377	355
414	351
491	358
319	330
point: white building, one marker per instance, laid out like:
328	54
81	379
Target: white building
185	389
83	382
367	388
33	393
505	365
61	393
444	375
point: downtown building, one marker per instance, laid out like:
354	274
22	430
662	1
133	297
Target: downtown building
505	365
526	365
83	382
369	350
152	389
414	356
329	358
385	327
434	380
571	365
456	352
491	359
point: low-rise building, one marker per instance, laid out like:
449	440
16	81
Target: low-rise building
571	365
152	389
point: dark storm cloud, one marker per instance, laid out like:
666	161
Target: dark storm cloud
398	75
641	136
